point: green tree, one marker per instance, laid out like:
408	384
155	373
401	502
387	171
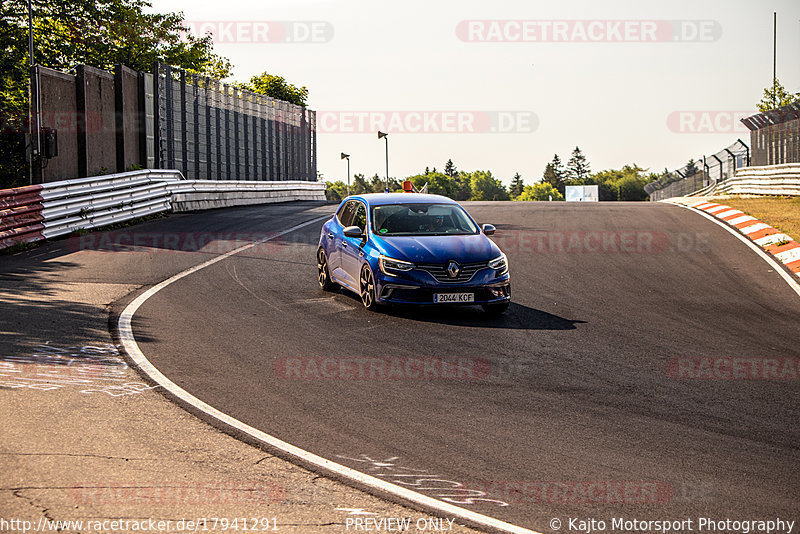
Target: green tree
621	184
577	167
463	186
335	191
484	186
540	191
438	184
359	185
277	87
450	168
691	167
776	96
517	186
100	33
554	173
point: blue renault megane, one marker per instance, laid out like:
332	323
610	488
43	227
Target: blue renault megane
410	248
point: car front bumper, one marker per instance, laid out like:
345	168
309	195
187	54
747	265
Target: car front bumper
487	287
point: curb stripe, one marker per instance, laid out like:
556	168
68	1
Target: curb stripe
717	208
789	256
741	219
725	215
755	233
749	229
771	239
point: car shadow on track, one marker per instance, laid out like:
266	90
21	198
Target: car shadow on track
517	317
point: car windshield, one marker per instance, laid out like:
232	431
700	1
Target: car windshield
421	219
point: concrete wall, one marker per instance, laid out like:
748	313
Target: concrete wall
97	147
128	118
59	105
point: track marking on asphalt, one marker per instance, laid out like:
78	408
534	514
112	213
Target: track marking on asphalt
766	257
128	341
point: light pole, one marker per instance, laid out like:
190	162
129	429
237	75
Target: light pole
347	157
385	137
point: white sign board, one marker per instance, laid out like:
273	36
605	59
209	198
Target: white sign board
582	193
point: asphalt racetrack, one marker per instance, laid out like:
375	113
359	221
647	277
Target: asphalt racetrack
612	388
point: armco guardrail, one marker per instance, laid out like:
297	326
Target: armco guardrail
20	215
43	211
207	194
781	180
93	202
767	180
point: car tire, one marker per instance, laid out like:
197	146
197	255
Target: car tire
366	284
495	310
323	275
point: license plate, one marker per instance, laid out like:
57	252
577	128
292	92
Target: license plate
453	297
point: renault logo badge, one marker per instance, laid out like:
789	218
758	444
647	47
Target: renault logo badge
453	269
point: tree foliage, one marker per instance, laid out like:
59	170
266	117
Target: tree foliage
578	167
484	186
540	191
102	33
99	33
450	168
775	97
517	185
622	184
277	87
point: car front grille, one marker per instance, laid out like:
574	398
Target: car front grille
439	271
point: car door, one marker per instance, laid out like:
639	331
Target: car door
352	248
334	236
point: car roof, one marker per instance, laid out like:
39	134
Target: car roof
377	199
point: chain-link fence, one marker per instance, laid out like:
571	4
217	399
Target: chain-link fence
211	130
705	172
775	135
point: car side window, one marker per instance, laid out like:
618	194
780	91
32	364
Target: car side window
346	213
360	218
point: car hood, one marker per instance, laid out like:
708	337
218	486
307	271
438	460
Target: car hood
439	249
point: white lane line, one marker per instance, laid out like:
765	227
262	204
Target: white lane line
758	250
125	329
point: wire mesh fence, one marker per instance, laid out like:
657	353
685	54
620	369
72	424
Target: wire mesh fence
705	172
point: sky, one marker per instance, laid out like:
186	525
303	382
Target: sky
503	85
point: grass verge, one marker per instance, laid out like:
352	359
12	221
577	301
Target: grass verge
782	213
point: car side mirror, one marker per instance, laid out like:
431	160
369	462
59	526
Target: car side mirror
353	231
488	229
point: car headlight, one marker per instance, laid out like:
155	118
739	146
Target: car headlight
500	264
393	267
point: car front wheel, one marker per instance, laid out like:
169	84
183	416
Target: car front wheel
324	276
367	286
